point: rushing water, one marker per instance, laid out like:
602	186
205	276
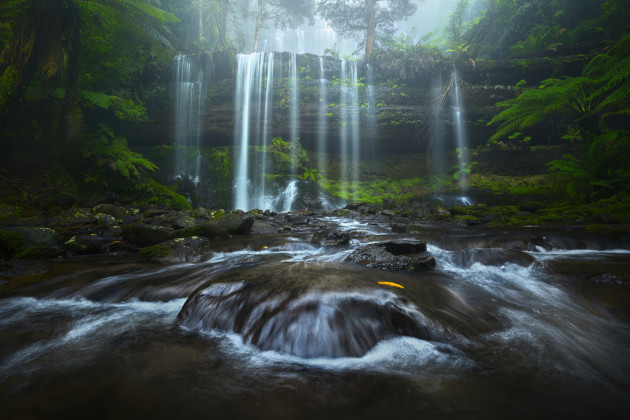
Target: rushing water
524	323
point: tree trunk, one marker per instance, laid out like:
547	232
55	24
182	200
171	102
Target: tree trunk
259	20
371	27
223	23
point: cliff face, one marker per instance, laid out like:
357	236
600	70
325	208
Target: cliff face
401	106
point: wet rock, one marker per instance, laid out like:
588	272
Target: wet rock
389	204
264	226
398	227
110	209
145	235
393	256
201	213
297	220
183	222
405	228
306	311
355	206
237	224
75	217
330	237
155	212
388	213
206	230
129	219
86	244
531	207
178	250
606	219
105	219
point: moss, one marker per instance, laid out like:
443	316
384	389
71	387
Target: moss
155	252
206	230
467	218
415	229
144	235
36	253
12	243
598	229
152	193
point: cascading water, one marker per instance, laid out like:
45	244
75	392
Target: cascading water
523	322
355	127
254	110
294	116
189	96
460	134
254	127
437	136
323	122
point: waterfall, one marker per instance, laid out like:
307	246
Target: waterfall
460	134
189	95
265	131
355	128
249	191
253	130
343	129
294	117
323	122
436	148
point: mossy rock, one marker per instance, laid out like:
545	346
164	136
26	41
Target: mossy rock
155	252
144	235
158	193
111	210
415	229
531	206
11	243
598	229
206	230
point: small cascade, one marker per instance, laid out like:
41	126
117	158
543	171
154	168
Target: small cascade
189	98
460	134
284	201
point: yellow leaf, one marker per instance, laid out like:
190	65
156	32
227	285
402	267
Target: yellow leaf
389	283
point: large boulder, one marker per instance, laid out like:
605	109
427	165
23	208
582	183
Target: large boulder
394	256
145	235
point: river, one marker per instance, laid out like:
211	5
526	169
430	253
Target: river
521	324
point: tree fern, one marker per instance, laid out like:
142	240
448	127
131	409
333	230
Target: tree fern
536	105
602	91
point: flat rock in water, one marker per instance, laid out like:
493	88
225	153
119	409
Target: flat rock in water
394	256
330	237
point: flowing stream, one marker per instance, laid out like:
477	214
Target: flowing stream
521	323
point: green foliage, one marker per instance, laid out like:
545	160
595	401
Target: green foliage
462	170
155	252
12	243
310	175
604	170
534	106
110	151
151	193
